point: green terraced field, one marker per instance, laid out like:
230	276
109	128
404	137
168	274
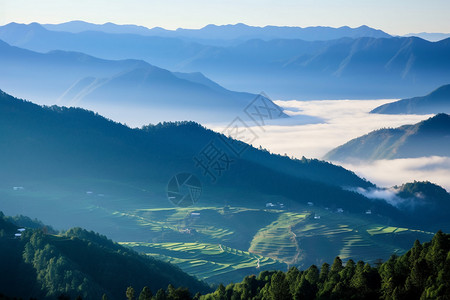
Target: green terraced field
277	239
350	236
291	237
227	226
213	263
295	238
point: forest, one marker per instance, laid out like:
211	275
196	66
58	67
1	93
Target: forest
79	264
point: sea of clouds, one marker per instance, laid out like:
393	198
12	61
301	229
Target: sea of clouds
336	122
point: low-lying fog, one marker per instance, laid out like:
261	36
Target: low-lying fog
341	121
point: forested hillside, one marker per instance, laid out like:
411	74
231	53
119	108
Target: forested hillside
426	138
85	265
422	273
78	263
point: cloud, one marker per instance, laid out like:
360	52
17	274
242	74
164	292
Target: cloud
341	121
435	169
387	194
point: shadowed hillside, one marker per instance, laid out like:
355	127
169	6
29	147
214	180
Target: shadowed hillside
435	102
427	138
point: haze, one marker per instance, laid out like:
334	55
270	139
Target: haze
395	17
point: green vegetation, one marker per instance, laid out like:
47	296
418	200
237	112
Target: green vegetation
351	236
277	239
421	273
289	238
79	169
214	263
426	138
78	263
84	265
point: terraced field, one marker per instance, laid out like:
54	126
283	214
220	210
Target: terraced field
190	237
277	239
233	226
297	238
351	236
213	263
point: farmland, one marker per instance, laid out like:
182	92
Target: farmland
212	241
214	263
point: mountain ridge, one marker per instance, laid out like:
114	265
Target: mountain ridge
238	31
131	86
437	101
427	138
284	68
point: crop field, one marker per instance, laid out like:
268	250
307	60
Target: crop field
277	239
294	238
232	226
351	236
191	237
213	263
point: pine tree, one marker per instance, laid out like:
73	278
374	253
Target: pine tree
324	270
161	295
336	267
146	294
130	293
279	288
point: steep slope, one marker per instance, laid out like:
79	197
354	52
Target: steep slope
169	141
76	79
79	263
427	138
438	101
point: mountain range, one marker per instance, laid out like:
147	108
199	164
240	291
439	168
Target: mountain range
51	141
427	138
225	34
130	88
345	67
438	101
74	168
69	149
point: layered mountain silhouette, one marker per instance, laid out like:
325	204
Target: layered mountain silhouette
128	86
430	36
435	102
344	67
226	34
427	138
48	143
72	150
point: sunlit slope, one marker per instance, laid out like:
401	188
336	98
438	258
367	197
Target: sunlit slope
205	239
214	263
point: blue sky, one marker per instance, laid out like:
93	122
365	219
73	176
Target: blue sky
394	16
